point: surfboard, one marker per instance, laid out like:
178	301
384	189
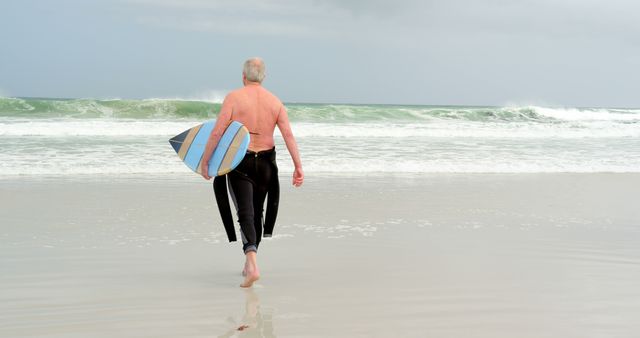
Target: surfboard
233	145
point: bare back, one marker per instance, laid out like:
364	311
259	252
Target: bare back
257	109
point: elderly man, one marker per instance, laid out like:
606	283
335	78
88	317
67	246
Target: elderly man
260	111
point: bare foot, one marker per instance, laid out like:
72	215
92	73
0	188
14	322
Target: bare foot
250	276
246	267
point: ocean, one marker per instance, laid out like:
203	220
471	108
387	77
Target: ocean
69	137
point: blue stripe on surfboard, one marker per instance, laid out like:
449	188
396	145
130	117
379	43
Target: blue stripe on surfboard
193	157
236	152
223	145
240	155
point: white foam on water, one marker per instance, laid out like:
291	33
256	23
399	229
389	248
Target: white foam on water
93	127
444	129
543	140
156	158
211	96
441	129
574	114
468	166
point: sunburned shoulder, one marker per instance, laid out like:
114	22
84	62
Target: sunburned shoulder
233	94
269	94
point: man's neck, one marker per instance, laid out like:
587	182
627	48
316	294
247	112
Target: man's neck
251	83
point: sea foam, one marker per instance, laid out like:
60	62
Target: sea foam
86	136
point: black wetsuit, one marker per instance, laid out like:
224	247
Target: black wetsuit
249	184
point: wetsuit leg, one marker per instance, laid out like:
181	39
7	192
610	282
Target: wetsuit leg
257	217
242	195
262	179
249	184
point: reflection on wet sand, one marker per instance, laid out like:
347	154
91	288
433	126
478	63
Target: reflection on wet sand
254	323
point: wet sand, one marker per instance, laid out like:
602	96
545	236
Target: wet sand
526	255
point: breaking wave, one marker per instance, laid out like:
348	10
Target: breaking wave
177	108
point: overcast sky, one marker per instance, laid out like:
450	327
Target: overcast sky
459	52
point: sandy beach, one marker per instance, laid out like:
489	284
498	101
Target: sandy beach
440	255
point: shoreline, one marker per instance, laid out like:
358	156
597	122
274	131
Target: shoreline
188	176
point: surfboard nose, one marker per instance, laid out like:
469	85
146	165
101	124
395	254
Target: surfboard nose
176	141
176	145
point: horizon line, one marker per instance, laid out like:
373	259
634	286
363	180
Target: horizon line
325	103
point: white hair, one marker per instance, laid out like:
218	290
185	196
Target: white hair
253	69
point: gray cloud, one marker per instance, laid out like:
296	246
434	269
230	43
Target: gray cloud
249	17
400	21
